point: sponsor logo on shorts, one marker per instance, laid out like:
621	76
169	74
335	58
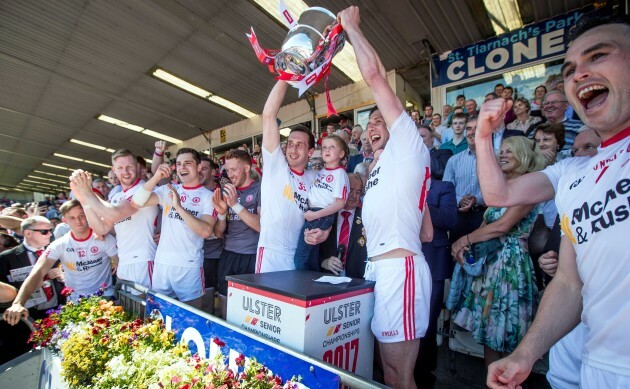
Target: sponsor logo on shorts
389	333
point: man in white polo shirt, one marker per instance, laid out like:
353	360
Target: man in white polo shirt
134	227
393	211
283	188
186	221
87	262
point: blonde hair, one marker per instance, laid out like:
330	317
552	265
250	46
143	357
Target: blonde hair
523	150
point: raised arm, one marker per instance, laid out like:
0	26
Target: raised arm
100	214
144	196
158	155
532	188
271	131
371	67
559	313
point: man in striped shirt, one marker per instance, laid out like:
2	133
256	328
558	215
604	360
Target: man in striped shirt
461	170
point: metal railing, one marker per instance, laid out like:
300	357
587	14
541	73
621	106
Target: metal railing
131	297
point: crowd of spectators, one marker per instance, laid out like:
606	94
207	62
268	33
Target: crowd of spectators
211	215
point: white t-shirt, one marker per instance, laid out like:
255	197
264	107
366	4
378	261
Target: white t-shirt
134	234
396	191
283	203
329	185
86	263
179	245
593	199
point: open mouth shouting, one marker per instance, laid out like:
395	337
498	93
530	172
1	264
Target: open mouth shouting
592	96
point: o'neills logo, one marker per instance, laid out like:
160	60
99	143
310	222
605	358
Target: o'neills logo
262	308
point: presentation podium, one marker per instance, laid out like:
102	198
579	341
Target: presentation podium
330	322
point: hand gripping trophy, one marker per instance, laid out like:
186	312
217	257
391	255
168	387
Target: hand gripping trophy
307	51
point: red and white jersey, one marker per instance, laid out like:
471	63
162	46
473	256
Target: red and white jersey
593	200
179	245
134	234
330	184
86	263
283	203
396	191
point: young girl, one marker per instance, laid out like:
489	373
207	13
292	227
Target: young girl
326	197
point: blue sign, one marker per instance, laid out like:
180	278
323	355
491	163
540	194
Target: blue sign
515	48
203	334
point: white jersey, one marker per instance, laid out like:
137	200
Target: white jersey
396	192
593	199
283	203
179	245
330	184
86	264
134	234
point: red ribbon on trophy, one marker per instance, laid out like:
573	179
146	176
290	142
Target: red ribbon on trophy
294	64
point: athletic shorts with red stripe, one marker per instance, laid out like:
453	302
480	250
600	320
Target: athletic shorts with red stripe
183	283
268	260
138	272
401	298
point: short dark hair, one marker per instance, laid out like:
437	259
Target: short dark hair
460	97
460	115
213	165
426	128
428	106
309	133
555	129
141	161
492	94
508	87
186	150
612	13
375	108
499	84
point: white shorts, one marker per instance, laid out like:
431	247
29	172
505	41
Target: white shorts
268	260
594	378
565	359
183	283
138	272
401	298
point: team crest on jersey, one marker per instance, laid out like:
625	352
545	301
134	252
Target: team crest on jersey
182	198
94	249
249	198
329	178
196	200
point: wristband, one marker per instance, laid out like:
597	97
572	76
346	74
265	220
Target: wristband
221	217
158	154
468	239
141	196
237	208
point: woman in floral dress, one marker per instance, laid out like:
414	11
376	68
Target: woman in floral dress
502	301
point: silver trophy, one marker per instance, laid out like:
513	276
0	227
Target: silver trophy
310	43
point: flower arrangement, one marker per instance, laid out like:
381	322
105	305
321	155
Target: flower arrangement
101	346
